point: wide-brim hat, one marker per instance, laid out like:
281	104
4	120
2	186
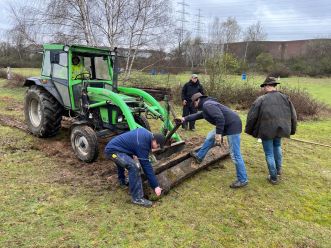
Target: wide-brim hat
269	81
196	96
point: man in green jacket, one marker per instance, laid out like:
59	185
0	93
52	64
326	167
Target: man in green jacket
272	117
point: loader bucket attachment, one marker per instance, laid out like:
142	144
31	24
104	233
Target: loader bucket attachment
169	150
179	167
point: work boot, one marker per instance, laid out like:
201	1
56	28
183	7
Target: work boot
195	156
143	202
279	172
238	184
192	129
272	181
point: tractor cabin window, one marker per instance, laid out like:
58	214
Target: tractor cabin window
60	70
101	68
46	71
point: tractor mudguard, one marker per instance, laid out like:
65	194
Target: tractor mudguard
77	123
48	86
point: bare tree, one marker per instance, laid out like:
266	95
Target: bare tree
230	31
145	20
254	33
73	18
111	19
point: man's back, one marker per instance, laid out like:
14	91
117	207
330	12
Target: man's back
271	116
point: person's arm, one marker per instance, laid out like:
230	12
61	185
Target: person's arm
184	92
293	118
202	91
143	156
252	117
193	117
218	116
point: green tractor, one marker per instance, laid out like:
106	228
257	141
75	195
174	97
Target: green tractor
81	82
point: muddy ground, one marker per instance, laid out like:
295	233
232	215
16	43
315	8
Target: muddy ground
71	170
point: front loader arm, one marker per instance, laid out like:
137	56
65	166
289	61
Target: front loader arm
104	95
155	104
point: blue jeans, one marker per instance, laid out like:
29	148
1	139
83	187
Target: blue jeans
273	155
135	183
234	146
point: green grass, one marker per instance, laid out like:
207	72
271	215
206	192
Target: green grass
27	72
48	203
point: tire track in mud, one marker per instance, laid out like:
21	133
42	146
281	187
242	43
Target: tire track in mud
100	174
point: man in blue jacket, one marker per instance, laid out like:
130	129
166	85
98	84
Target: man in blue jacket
125	150
228	124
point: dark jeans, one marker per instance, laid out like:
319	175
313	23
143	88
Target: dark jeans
188	109
273	155
135	183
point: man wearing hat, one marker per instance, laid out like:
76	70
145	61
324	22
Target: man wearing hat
189	89
126	150
228	124
271	117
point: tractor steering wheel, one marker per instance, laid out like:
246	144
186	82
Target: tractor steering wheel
82	75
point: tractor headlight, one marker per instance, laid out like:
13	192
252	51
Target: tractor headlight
120	118
66	48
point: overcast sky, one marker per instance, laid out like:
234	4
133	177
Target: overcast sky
281	19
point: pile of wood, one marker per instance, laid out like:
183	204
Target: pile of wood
157	92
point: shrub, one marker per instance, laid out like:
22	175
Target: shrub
265	62
305	106
17	80
279	70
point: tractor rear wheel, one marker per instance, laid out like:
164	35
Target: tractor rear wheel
43	113
84	142
142	121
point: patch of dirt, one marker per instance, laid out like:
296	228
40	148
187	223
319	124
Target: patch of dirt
14	105
11	122
100	174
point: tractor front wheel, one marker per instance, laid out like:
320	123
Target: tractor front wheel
84	142
43	113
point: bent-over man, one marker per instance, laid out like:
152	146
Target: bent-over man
137	144
228	124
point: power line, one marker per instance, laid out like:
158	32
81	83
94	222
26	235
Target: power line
199	24
182	20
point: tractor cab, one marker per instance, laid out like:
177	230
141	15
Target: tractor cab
70	68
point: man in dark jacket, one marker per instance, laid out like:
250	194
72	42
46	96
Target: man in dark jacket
228	124
271	117
189	89
125	150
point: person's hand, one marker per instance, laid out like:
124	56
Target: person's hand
158	191
179	120
218	139
184	102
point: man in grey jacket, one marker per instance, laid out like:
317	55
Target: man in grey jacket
272	117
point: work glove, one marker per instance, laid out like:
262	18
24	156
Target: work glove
218	139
